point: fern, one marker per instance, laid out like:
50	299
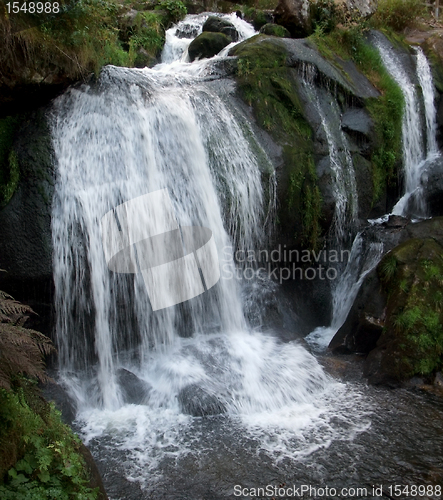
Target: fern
21	349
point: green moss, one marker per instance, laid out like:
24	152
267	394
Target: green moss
255	16
148	33
175	10
271	88
386	111
9	168
275	30
412	276
44	452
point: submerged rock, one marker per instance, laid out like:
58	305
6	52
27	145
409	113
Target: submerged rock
215	24
198	402
207	45
135	391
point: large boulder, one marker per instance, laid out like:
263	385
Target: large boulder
216	24
295	16
207	45
198	402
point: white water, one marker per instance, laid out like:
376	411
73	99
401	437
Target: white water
427	86
179	37
417	150
138	131
361	262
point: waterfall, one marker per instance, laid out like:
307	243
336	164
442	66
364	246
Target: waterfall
426	83
363	258
340	159
417	150
134	134
176	129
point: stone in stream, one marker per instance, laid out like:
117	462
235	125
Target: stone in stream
197	402
207	45
135	391
215	24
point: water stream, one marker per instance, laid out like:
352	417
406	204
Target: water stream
284	418
418	149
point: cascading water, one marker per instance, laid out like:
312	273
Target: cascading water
425	79
416	149
345	186
135	132
179	37
361	260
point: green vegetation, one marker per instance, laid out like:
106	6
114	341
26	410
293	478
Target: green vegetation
45	453
412	276
397	14
82	38
267	85
386	110
40	457
9	169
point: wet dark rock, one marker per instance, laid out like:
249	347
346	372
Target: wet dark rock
198	402
53	391
275	30
207	45
365	321
302	52
186	31
215	24
396	222
135	391
432	181
404	285
357	120
295	16
95	480
143	59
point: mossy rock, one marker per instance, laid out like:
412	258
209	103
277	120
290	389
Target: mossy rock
257	17
272	29
216	24
207	45
412	339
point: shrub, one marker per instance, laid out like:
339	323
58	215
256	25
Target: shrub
49	466
397	14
